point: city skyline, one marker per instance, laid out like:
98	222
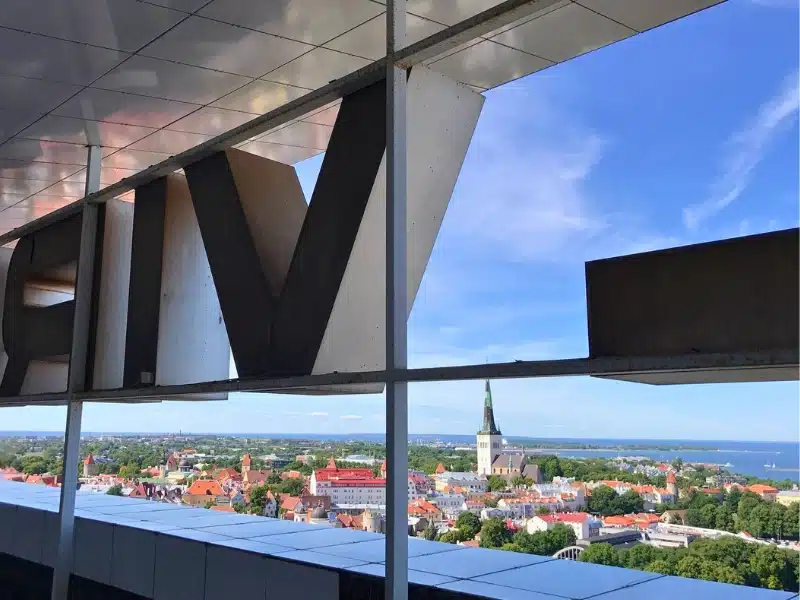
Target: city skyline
690	136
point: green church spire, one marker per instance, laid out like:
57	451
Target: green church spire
488	413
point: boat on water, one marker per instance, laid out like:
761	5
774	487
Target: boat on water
768	466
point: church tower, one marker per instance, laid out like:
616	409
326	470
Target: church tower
489	437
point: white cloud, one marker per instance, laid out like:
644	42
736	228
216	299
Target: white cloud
351	417
319	414
529	203
745	149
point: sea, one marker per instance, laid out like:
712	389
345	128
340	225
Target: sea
747	458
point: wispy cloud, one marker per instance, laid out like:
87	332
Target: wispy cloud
319	414
528	203
745	149
351	417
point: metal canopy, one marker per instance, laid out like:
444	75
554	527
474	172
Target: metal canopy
150	80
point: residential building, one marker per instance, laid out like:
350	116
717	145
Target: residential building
451	505
767	492
787	497
424	508
348	485
584	524
469	481
489	438
201	492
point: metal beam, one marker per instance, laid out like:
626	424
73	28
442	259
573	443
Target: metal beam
396	580
492	18
522	369
76	381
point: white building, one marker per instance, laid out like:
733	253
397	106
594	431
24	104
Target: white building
584	524
489	438
348	486
472	483
451	505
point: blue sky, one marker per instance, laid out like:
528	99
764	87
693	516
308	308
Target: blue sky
688	133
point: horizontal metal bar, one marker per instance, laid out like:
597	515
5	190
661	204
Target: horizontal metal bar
495	17
467	30
567	367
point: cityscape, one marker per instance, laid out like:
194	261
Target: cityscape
689	519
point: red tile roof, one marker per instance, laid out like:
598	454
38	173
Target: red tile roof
760	488
205	488
618	520
246	461
671	477
290	503
564	517
89	460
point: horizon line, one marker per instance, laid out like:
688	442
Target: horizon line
410	435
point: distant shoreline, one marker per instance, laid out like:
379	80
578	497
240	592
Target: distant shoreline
579	444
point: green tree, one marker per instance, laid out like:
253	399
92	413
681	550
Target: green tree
210	504
494	533
602	554
430	533
274	479
496	483
629	502
293	487
559	537
521	481
601	500
773	568
469	524
791	521
240	507
659	566
258	499
640	556
114	490
452	537
543	510
491	502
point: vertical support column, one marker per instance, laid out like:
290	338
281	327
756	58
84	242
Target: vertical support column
77	380
396	310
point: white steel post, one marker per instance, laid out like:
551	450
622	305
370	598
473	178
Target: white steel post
77	376
396	310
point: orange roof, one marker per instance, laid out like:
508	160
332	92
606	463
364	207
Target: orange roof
205	488
246	461
227	509
422	507
290	503
292	475
760	488
332	463
89	460
564	517
189	451
440	469
471	544
671	477
618	520
648	517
